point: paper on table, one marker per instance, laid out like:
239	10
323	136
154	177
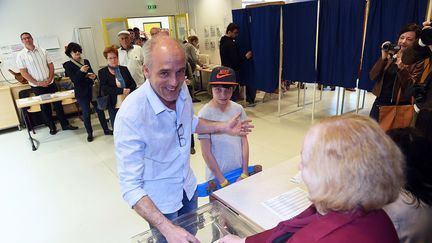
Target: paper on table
63	93
288	204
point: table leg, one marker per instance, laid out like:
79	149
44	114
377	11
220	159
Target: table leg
201	89
29	134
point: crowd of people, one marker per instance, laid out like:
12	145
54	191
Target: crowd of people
365	185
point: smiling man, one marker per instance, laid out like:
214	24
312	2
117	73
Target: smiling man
152	138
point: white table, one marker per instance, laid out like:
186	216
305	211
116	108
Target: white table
245	197
37	100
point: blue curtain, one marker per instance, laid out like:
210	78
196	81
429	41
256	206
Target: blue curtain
265	43
299	41
340	41
386	18
259	32
241	19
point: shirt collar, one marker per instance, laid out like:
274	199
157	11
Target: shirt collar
127	49
155	101
28	50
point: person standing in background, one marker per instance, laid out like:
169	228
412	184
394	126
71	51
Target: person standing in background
83	78
230	57
131	56
115	81
37	67
392	77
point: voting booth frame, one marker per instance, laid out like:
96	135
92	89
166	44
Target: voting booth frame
341	92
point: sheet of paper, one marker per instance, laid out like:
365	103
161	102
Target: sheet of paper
288	204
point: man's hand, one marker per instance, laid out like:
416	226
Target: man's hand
232	239
237	127
44	83
248	55
174	234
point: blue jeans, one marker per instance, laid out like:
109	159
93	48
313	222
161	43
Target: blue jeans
112	111
84	104
188	206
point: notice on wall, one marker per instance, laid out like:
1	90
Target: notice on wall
8	56
212	31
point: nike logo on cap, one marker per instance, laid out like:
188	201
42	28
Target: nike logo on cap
222	75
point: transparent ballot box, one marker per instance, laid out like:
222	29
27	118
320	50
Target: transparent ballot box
208	223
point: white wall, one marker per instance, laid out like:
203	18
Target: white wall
58	18
206	13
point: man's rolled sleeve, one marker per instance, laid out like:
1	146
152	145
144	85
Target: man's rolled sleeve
20	62
48	57
129	148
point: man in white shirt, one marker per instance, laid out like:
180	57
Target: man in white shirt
37	67
131	56
152	138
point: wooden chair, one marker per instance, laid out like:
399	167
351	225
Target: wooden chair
32	109
73	101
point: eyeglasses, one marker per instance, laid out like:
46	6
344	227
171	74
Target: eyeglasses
222	89
180	133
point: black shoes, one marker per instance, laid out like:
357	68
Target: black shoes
251	104
53	131
70	127
108	132
192	151
89	138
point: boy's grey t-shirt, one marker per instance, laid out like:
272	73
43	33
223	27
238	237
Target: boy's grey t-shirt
226	149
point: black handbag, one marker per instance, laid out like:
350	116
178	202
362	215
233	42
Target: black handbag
102	102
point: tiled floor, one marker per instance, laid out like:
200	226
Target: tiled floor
67	190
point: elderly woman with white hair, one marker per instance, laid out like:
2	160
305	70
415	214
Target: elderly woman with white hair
351	169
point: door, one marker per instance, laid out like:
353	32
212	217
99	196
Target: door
181	26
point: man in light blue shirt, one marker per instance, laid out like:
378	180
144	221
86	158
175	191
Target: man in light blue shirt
152	136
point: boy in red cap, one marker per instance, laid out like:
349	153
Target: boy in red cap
223	153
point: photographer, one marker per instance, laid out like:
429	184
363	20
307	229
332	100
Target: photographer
391	76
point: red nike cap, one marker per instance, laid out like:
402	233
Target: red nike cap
222	75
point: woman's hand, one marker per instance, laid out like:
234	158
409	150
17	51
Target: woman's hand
91	76
385	53
84	68
232	239
399	61
126	91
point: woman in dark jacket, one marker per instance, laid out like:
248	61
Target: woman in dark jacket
81	74
116	82
392	77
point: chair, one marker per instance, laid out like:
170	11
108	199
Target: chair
35	109
73	101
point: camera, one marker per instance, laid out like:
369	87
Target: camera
388	46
